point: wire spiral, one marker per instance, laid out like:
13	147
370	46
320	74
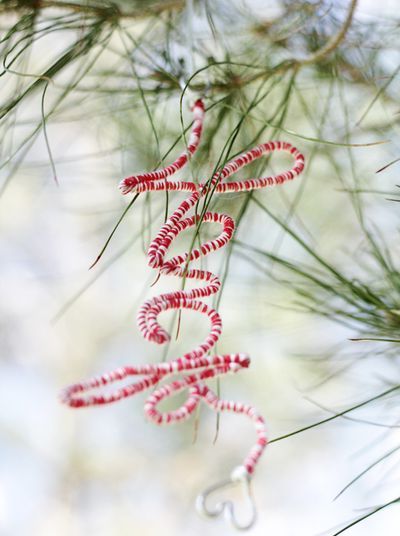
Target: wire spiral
196	366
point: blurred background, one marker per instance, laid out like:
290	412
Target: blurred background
92	92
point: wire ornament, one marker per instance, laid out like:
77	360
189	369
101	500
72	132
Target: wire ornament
196	366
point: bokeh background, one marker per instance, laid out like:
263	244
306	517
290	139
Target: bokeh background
106	471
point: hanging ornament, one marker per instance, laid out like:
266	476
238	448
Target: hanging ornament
197	366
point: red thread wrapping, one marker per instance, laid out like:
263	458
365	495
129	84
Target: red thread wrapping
194	367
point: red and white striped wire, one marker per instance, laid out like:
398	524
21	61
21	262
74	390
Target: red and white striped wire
196	366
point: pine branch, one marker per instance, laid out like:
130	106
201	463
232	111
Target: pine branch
110	12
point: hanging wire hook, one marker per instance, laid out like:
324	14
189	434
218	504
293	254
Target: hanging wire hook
238	476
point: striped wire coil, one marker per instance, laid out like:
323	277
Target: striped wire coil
196	366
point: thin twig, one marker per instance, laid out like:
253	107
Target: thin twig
333	42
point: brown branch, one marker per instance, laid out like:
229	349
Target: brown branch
333	42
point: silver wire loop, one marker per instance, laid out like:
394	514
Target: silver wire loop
226	507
